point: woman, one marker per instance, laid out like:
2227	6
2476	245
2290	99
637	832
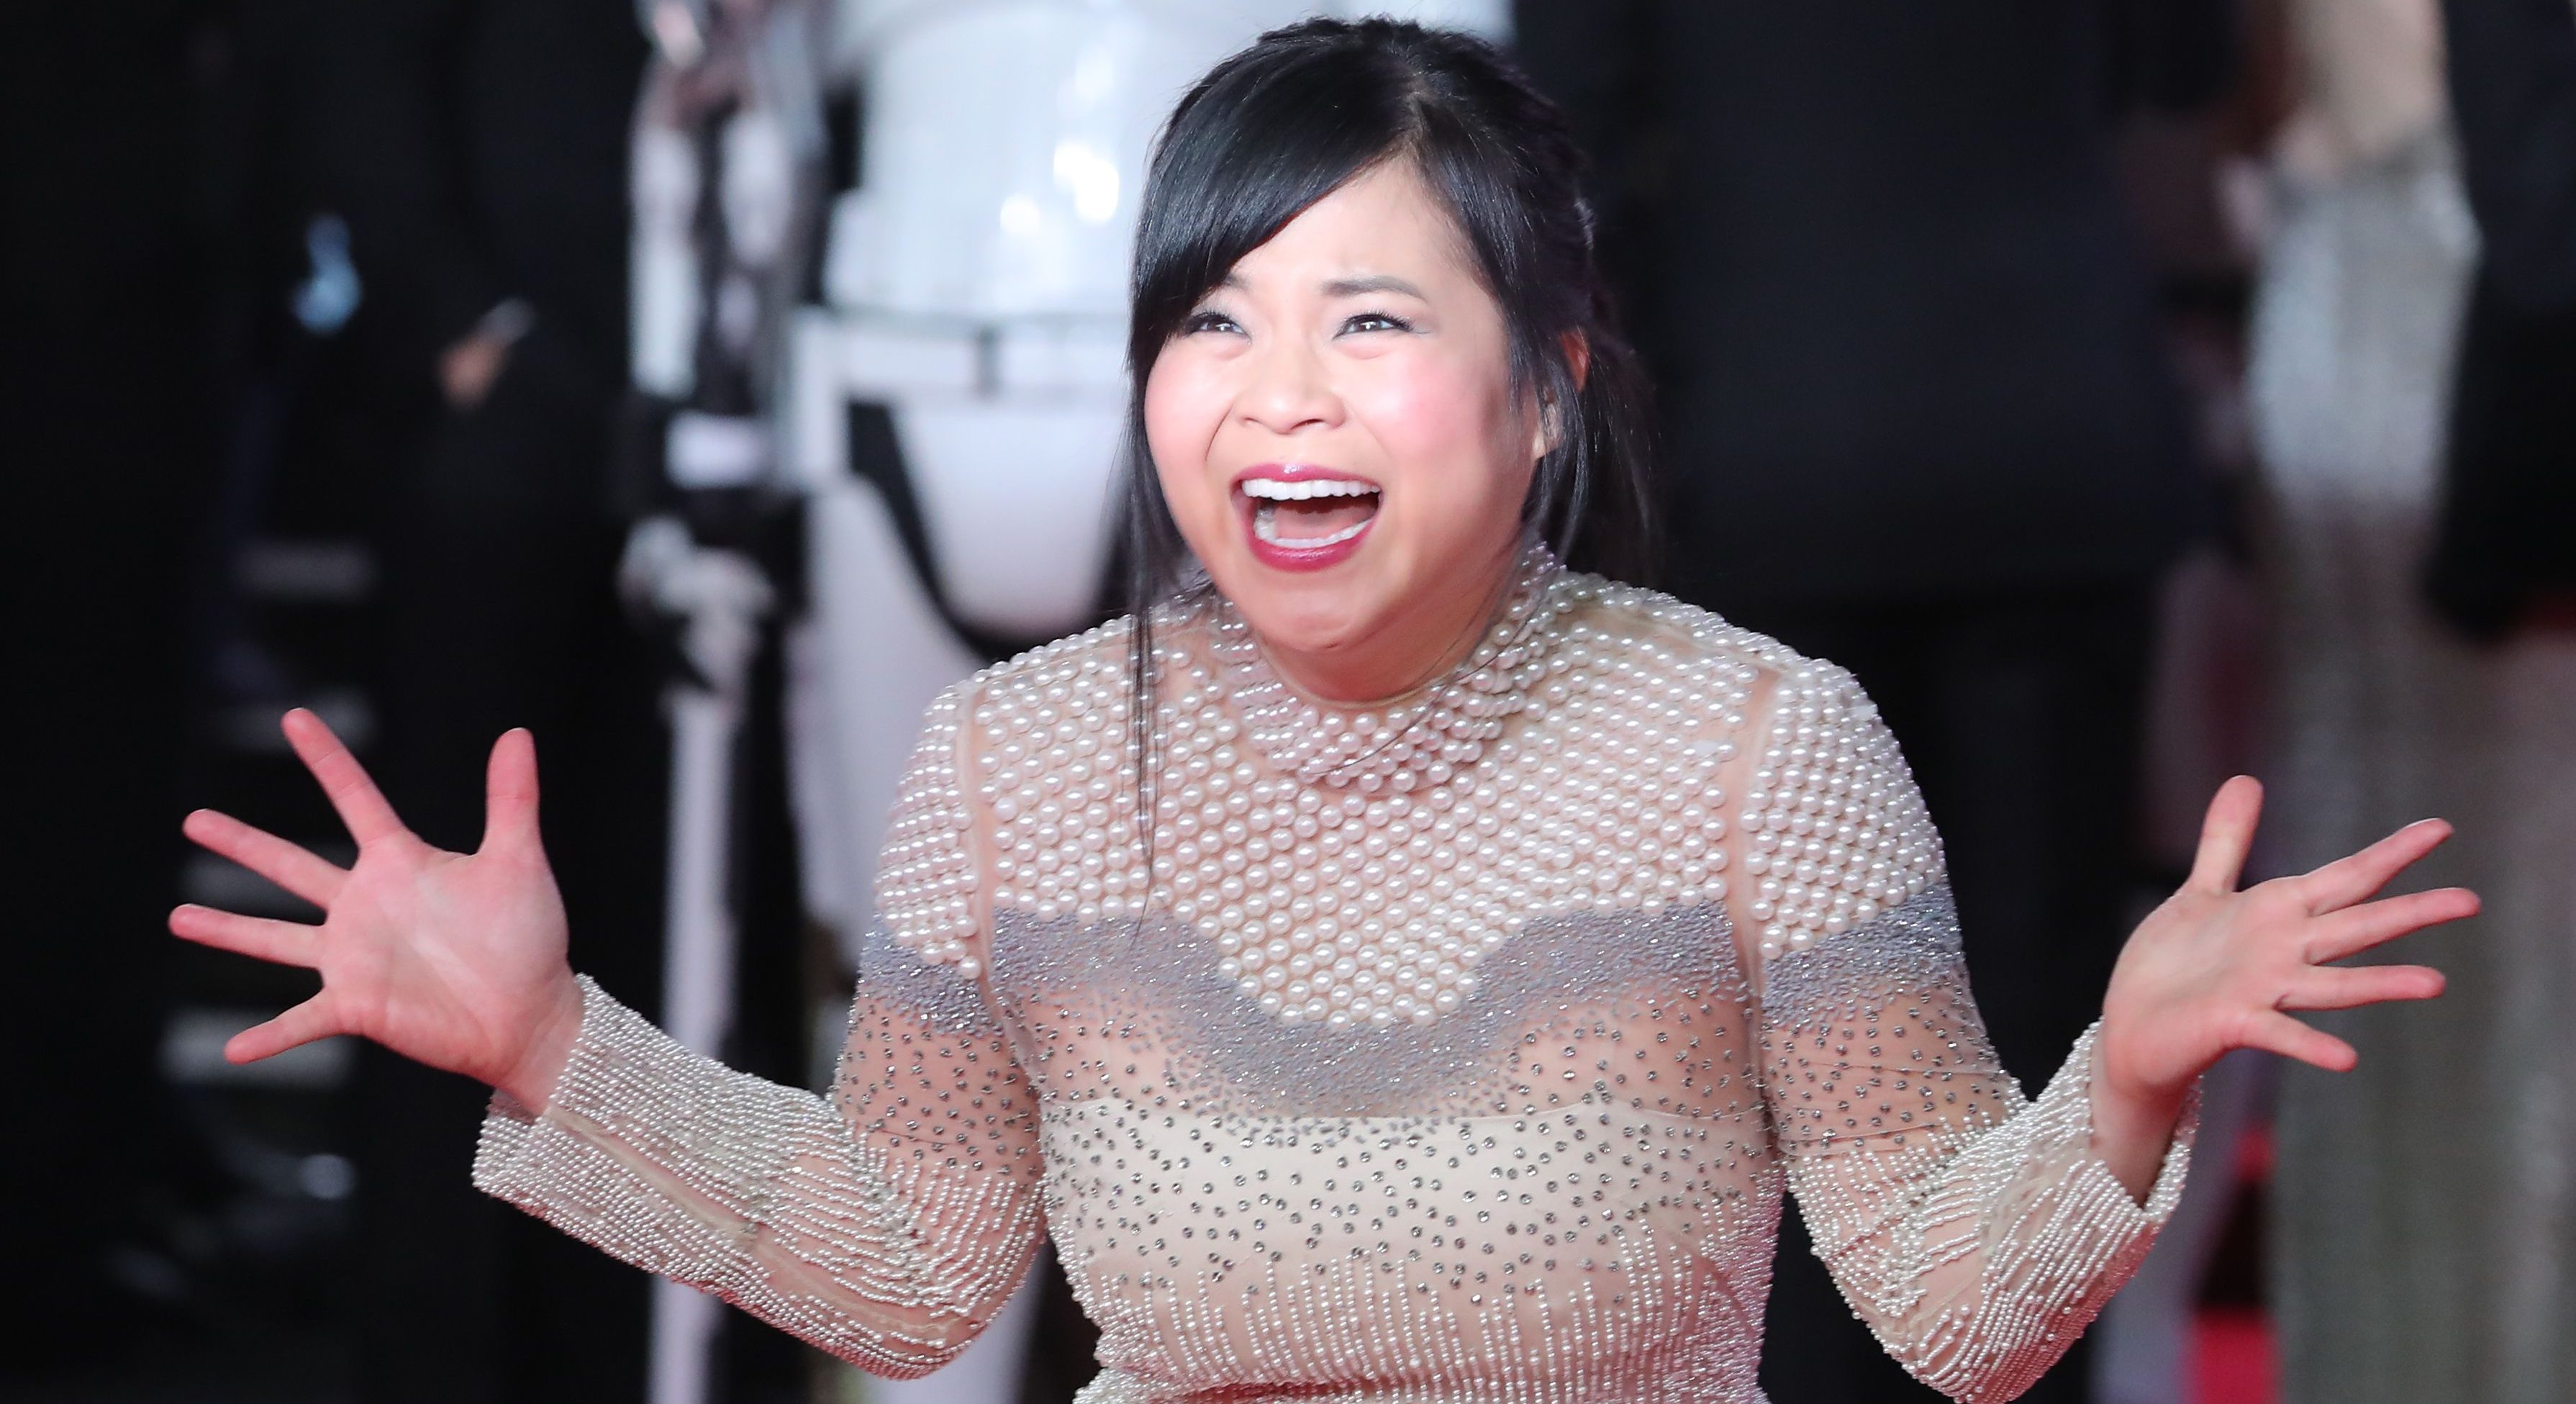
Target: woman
1427	992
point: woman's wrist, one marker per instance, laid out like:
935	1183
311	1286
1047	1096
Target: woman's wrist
2133	1125
541	1062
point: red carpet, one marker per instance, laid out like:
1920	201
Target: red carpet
2232	1361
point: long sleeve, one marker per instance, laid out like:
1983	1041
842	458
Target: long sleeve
1975	1231
885	1222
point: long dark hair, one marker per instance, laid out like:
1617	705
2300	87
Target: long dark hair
1283	124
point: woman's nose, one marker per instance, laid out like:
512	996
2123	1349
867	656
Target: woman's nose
1289	389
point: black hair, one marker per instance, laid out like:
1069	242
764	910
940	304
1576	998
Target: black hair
1287	121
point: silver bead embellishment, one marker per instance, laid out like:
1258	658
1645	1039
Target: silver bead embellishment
1352	869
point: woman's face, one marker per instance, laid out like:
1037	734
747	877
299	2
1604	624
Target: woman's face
1336	432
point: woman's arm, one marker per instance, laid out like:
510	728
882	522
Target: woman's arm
1973	1230
885	1222
1978	1232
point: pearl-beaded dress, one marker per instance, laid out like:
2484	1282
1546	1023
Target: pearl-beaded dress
1457	1049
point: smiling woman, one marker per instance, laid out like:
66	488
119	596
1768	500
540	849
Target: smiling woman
1365	257
1344	398
1393	965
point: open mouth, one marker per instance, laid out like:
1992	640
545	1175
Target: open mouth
1310	514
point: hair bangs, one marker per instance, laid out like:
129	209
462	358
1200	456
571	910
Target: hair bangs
1250	149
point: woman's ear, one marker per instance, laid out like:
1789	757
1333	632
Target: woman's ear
1551	420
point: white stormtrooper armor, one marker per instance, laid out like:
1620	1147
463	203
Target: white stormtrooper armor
953	414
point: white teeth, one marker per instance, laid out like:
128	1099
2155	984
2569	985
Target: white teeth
1265	524
1274	490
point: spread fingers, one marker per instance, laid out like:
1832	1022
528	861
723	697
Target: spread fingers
2279	1033
290	866
2353	930
361	805
2341	988
284	942
2356	876
2227	834
302	1024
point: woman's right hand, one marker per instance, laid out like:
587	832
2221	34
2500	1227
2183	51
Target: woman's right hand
453	959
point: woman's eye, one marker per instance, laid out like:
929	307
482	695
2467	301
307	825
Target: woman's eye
1376	322
1208	322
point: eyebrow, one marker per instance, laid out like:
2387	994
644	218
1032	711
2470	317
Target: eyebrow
1346	287
1354	287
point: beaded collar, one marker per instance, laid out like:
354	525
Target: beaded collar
1414	741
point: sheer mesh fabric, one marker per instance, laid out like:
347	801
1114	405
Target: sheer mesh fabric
1478	1076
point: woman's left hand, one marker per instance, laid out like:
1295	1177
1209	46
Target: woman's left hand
2216	969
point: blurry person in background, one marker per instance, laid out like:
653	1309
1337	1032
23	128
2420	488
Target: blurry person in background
103	349
480	153
2423	1220
1916	419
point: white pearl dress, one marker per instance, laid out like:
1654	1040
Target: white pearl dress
1457	1049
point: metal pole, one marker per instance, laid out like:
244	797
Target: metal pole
722	595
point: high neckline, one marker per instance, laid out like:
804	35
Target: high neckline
1418	737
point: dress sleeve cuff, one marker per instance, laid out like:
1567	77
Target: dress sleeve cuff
2057	1231
2073	1087
647	1150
